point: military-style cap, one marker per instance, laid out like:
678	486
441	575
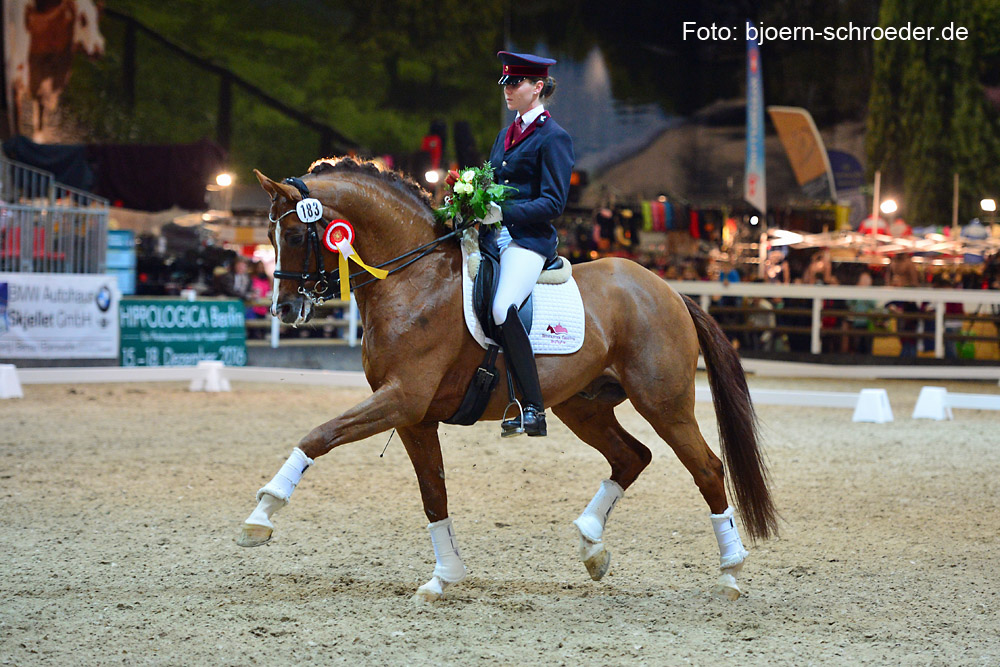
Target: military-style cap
519	66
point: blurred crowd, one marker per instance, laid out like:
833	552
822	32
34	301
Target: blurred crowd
850	326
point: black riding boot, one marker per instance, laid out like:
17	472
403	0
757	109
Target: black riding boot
521	361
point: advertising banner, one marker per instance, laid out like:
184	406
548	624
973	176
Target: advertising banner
804	147
174	332
754	180
58	316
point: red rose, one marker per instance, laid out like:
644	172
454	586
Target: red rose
451	178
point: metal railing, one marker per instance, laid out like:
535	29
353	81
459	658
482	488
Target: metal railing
817	294
21	183
47	227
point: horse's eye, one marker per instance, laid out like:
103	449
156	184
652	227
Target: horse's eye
295	239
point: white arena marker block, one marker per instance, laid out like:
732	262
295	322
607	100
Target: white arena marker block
10	386
932	404
209	377
873	406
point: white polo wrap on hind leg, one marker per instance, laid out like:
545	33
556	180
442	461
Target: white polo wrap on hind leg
449	569
595	516
288	477
731	550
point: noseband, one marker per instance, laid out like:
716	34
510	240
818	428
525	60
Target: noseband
323	280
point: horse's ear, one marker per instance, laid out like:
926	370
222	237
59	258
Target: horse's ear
270	187
274	188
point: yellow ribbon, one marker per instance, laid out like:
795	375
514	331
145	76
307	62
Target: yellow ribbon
348	251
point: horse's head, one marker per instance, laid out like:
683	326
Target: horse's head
302	267
391	214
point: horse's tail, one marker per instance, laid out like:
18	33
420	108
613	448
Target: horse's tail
747	478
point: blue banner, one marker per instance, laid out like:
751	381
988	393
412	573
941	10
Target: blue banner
754	182
848	174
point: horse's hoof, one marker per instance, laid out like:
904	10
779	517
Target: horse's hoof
598	564
432	591
253	535
425	595
727	587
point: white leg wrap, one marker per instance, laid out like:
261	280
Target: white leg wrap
450	568
266	507
595	516
731	551
288	477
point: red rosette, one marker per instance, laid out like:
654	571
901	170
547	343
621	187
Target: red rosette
337	231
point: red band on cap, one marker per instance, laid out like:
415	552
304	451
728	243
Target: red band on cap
525	70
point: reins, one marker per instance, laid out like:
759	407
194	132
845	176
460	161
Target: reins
326	278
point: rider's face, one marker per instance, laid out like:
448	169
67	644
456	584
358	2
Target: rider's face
523	96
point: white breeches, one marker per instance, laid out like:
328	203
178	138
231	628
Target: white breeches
519	271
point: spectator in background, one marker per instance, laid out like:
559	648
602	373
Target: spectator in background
690	272
861	344
820	269
728	274
260	290
762	317
776	267
820	272
800	317
902	266
236	282
904	325
953	313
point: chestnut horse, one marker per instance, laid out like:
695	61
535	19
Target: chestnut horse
641	343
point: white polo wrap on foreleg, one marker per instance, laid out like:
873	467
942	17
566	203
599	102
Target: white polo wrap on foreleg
595	516
288	477
731	550
450	568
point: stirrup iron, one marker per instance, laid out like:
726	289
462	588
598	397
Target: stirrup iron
507	432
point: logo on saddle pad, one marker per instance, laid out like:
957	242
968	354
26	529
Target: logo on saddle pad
556	331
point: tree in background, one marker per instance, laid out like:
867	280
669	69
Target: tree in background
376	70
929	117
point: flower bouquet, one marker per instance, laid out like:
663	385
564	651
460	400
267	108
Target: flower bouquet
472	193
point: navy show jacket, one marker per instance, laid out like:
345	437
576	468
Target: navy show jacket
539	167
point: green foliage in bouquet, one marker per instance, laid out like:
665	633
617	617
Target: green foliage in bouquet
472	192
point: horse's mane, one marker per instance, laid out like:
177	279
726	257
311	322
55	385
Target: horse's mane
402	183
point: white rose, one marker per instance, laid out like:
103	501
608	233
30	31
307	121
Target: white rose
468	175
462	188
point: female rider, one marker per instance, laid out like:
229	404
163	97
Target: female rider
535	157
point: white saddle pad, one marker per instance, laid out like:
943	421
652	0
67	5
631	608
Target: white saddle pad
557	325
